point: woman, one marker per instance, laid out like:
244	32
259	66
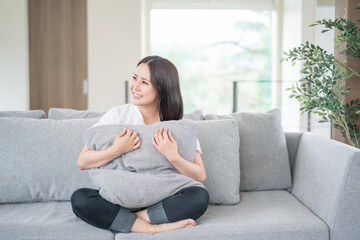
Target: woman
156	96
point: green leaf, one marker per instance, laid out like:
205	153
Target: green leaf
324	77
304	71
357	6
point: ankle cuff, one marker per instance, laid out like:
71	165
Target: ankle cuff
123	221
157	214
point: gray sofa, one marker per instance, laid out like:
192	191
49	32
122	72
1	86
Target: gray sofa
263	183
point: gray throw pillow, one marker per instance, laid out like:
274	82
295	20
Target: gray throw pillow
142	177
264	159
38	159
65	113
38	114
219	140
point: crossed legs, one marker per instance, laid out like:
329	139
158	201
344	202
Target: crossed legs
175	212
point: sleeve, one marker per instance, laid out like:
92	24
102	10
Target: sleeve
108	118
198	148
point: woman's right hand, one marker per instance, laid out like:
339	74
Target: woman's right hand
126	141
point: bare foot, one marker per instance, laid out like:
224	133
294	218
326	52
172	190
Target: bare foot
142	226
143	215
167	227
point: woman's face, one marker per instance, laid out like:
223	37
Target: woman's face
141	88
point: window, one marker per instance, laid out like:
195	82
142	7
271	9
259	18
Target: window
212	49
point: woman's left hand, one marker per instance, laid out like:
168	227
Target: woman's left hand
166	144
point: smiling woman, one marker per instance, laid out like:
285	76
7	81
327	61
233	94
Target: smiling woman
156	98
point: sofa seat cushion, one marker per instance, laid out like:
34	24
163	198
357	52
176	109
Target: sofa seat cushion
263	215
51	220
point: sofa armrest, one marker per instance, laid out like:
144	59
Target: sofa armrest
327	180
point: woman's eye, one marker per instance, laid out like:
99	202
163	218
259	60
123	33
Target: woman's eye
145	82
134	77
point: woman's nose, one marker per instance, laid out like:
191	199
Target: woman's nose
137	85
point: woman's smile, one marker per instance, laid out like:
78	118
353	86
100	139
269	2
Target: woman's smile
136	96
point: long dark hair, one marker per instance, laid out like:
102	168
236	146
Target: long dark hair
165	79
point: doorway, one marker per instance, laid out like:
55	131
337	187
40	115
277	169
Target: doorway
58	54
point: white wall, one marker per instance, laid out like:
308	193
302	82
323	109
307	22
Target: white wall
114	49
14	57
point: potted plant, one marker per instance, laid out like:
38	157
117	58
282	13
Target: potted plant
322	88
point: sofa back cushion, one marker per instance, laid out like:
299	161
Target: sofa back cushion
38	114
219	140
66	113
264	159
196	115
38	159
